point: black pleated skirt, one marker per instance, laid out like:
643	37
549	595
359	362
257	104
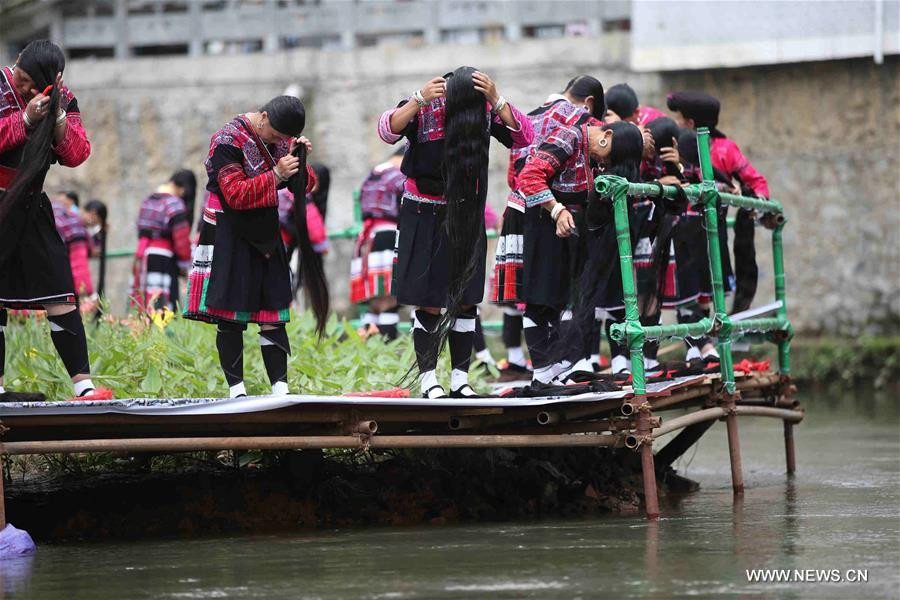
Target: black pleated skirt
421	273
34	260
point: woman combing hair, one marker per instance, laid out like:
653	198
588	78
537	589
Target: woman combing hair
441	243
40	124
240	272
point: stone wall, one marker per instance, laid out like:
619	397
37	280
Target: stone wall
829	125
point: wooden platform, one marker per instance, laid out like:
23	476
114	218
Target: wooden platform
612	419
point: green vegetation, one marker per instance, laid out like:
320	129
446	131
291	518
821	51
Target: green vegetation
166	356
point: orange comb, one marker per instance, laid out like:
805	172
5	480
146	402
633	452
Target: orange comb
47	89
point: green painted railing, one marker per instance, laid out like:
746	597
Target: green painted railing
706	197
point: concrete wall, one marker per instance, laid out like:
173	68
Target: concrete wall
828	126
698	34
826	136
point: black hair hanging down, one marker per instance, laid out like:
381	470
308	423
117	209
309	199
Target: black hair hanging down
185	179
465	169
584	86
602	247
99	207
320	196
42	60
313	275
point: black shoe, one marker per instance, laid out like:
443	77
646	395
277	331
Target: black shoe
465	391
427	395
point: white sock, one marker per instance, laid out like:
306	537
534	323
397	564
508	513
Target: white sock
83	387
368	318
280	388
516	356
650	363
595	359
429	380
458	378
543	375
485	357
237	389
2	390
619	364
712	352
693	353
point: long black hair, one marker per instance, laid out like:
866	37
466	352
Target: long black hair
310	266
99	207
185	179
320	196
583	86
41	60
466	143
602	254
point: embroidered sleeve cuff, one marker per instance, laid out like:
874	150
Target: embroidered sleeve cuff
542	197
384	128
523	134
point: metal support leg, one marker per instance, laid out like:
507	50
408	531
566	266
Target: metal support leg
2	496
734	444
648	470
789	447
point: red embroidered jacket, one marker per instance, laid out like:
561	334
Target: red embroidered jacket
71	151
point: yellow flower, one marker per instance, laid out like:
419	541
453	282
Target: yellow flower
161	318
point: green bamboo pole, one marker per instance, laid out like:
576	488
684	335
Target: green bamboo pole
634	334
784	342
710	199
694	192
659	332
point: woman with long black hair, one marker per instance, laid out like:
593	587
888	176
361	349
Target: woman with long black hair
240	271
582	102
40	124
556	184
441	244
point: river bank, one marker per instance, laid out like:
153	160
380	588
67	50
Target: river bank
313	490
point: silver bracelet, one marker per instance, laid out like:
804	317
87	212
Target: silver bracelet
278	175
61	118
420	99
554	212
499	106
26	120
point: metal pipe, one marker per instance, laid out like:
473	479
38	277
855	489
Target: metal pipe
711	414
310	442
627	409
366	427
670	425
2	497
790	459
546	417
631	441
734	451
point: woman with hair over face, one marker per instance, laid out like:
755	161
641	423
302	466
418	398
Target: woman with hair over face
240	271
581	102
40	124
556	184
441	244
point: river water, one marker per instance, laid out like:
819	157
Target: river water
840	512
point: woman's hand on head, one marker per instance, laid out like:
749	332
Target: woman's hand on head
565	224
301	140
287	166
38	107
670	155
649	144
486	86
435	88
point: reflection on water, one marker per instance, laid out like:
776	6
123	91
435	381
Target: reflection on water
839	512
